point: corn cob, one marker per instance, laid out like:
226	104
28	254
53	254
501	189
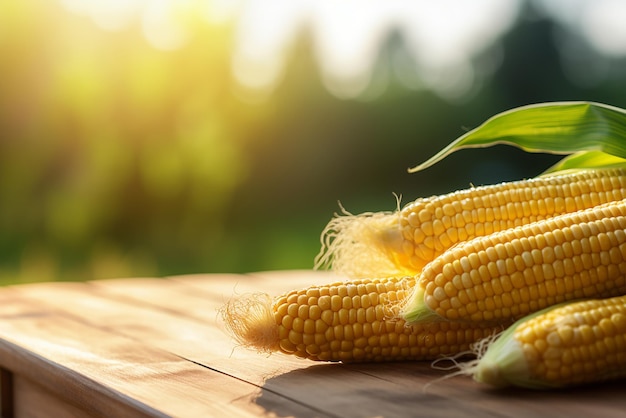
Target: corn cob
348	321
403	242
509	274
566	345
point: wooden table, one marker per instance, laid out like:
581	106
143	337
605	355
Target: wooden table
155	347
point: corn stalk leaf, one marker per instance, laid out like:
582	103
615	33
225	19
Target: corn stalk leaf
556	127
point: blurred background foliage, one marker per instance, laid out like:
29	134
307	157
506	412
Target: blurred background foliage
160	137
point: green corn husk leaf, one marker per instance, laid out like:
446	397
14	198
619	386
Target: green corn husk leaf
557	128
586	160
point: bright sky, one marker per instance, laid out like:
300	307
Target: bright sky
441	36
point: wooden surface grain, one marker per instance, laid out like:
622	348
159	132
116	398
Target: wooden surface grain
156	347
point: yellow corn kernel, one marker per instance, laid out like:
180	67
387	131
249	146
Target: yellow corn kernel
507	287
581	342
403	242
335	328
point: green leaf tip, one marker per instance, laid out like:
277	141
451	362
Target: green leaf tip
585	160
553	127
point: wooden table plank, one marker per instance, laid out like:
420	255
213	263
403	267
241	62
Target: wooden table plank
204	294
185	337
105	374
168	346
222	288
200	341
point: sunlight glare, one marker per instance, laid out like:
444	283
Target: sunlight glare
441	38
347	53
112	15
444	36
598	22
162	26
604	24
266	31
348	37
222	11
448	31
164	22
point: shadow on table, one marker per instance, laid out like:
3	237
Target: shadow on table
412	390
